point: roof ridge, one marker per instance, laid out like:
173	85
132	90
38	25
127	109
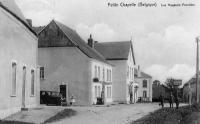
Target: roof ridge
18	18
112	42
80	43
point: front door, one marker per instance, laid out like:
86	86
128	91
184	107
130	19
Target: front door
63	91
23	87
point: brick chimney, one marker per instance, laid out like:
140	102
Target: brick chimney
91	42
29	22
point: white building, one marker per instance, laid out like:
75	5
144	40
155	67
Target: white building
121	55
19	77
144	82
71	66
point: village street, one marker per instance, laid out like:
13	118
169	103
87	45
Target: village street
115	114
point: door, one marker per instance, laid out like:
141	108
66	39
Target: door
63	90
23	87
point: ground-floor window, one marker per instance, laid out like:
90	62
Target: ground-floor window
109	92
14	81
97	91
32	82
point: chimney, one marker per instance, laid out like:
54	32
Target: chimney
91	42
29	22
139	72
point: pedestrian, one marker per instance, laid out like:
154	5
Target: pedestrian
161	101
171	100
177	102
72	100
131	97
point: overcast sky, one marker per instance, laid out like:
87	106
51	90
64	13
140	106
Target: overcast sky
163	38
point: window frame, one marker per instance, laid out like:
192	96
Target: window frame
13	90
42	73
144	84
32	90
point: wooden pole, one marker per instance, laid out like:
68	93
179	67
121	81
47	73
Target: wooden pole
197	71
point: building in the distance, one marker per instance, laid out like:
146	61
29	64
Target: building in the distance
19	84
121	55
72	67
189	89
144	85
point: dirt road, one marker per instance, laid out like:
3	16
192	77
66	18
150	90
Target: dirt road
115	114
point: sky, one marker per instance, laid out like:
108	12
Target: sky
163	37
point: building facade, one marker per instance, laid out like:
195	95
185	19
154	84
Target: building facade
121	55
144	82
19	82
189	90
71	66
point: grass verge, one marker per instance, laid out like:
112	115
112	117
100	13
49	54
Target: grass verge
13	122
61	115
183	115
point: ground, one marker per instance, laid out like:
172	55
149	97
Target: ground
106	114
114	114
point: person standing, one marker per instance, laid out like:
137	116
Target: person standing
171	100
161	101
177	101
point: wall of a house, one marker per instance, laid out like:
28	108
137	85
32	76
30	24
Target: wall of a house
141	88
66	65
119	80
19	45
129	75
102	79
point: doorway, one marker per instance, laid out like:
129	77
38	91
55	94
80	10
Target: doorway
23	87
63	91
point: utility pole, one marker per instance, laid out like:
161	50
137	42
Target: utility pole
197	71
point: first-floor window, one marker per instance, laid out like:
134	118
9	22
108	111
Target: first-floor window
144	83
14	75
109	92
41	72
32	82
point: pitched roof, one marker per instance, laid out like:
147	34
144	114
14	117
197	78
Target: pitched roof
73	36
38	29
114	50
192	80
11	7
142	74
145	75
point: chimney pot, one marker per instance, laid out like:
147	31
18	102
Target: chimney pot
91	42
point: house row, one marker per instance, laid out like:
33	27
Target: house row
56	58
189	90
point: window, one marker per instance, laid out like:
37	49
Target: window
95	71
108	75
103	74
98	72
99	94
41	72
14	81
109	92
145	83
32	82
144	94
128	72
95	91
